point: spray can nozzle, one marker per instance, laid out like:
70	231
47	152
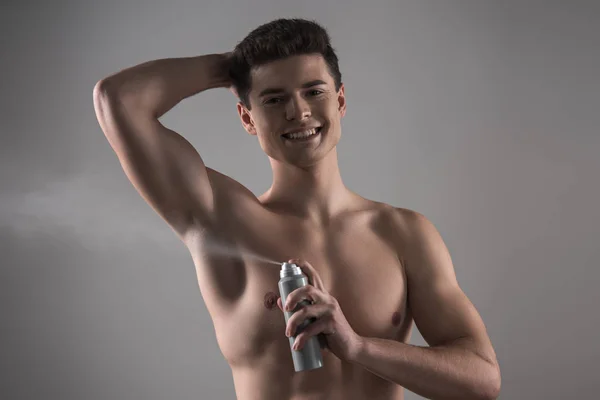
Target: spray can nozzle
289	269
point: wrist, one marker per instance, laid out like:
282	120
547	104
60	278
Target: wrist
219	70
357	349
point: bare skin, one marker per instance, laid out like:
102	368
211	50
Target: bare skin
360	249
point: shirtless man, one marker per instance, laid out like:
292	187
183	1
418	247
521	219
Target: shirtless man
373	268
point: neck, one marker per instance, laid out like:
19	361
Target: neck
314	193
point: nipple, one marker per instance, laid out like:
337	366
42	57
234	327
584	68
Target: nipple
270	300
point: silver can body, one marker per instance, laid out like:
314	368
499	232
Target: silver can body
309	357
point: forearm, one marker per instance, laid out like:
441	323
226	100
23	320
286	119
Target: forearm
445	372
159	85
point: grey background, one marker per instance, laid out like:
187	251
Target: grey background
482	115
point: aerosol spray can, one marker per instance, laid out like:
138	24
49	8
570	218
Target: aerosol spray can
309	357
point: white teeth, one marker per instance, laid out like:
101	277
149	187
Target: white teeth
301	135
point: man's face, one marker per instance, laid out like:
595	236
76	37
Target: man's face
290	99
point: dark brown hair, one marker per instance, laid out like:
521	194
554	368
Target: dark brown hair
276	40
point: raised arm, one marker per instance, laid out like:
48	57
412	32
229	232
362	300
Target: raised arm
161	164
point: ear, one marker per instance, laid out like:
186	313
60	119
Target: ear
342	101
246	118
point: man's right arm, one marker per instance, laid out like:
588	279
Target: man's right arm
161	164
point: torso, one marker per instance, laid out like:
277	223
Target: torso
356	256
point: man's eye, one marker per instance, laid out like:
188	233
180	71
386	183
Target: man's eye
273	100
315	92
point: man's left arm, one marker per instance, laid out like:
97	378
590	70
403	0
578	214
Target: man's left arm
460	362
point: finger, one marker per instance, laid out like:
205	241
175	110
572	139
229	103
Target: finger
279	303
323	326
296	322
313	276
307	292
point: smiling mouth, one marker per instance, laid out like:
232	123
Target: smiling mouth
304	135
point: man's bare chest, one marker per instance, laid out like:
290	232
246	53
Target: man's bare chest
356	262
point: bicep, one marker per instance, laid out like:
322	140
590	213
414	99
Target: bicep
162	165
441	310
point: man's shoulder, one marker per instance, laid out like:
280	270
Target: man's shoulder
224	185
410	219
399	223
398	217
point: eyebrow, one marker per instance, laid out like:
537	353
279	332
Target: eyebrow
280	90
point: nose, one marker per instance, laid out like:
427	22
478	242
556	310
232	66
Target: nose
297	109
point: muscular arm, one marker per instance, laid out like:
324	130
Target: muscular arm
162	165
460	362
